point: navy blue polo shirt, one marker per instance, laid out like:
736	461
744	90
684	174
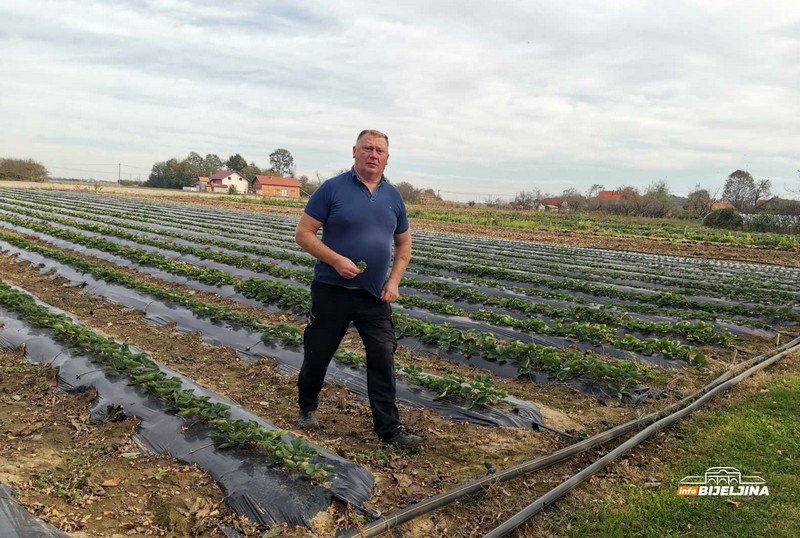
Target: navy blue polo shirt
358	225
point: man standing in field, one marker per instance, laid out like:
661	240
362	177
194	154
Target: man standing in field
361	216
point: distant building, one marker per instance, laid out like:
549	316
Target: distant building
276	186
610	196
554	204
222	181
716	205
427	196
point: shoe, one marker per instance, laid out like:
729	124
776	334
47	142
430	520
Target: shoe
308	420
402	439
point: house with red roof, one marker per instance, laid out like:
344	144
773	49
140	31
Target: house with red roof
554	204
223	180
276	186
716	205
610	196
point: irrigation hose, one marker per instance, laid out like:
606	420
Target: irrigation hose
559	491
443	499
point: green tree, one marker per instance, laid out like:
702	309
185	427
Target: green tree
251	170
171	174
282	162
307	186
195	164
212	163
236	162
22	170
728	219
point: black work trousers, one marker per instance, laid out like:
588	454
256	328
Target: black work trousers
332	310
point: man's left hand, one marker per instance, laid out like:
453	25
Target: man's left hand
390	292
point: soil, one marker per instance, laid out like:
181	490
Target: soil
93	479
128	492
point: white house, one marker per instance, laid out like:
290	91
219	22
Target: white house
224	179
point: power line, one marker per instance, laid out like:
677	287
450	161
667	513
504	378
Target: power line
85	164
476	193
82	170
66	165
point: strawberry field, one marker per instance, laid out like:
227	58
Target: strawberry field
509	349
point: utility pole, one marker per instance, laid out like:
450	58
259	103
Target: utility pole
119	170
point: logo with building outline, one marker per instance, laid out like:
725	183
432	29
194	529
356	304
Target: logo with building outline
722	482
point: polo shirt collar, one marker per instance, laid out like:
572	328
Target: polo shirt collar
359	180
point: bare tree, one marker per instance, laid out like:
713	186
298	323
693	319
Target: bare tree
797	190
594	190
699	202
576	200
657	201
743	192
526	199
407	191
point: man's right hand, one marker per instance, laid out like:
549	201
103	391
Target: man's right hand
346	268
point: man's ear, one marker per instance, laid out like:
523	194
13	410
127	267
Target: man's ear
354	152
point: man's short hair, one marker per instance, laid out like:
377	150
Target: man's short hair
372	132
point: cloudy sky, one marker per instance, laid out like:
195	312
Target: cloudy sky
480	99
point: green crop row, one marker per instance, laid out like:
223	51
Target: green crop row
284	295
696	332
83	210
559	363
603	225
244	262
473	392
479	391
145	373
306	275
297	259
659	298
734	289
594	333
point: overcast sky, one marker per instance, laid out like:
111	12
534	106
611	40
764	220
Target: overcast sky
478	98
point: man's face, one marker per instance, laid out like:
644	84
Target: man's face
371	154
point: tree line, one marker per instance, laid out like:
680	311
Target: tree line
176	174
741	191
22	170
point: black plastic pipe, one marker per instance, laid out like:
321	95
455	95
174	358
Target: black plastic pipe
448	497
559	491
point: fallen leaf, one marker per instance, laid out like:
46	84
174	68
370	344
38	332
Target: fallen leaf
111	482
403	480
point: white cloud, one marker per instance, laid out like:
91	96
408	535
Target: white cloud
474	95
